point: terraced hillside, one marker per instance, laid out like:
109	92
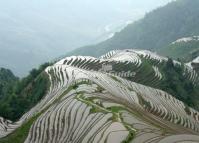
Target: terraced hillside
194	64
113	99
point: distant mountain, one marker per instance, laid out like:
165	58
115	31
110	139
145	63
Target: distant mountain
124	96
185	49
156	30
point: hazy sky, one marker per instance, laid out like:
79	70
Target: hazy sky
34	31
90	18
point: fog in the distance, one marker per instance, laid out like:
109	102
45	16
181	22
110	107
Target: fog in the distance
35	31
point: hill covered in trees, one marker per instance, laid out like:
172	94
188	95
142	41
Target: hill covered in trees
17	96
7	80
156	30
185	49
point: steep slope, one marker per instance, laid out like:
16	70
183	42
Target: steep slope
179	80
20	95
90	100
156	30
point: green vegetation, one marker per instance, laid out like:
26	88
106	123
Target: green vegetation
100	89
131	134
115	78
155	31
21	95
95	110
183	51
187	110
7	80
178	86
115	110
173	81
143	102
20	134
143	74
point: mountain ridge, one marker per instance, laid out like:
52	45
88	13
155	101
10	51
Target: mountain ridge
87	102
185	49
155	31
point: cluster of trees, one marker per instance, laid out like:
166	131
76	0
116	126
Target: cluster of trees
20	95
7	79
173	82
177	85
